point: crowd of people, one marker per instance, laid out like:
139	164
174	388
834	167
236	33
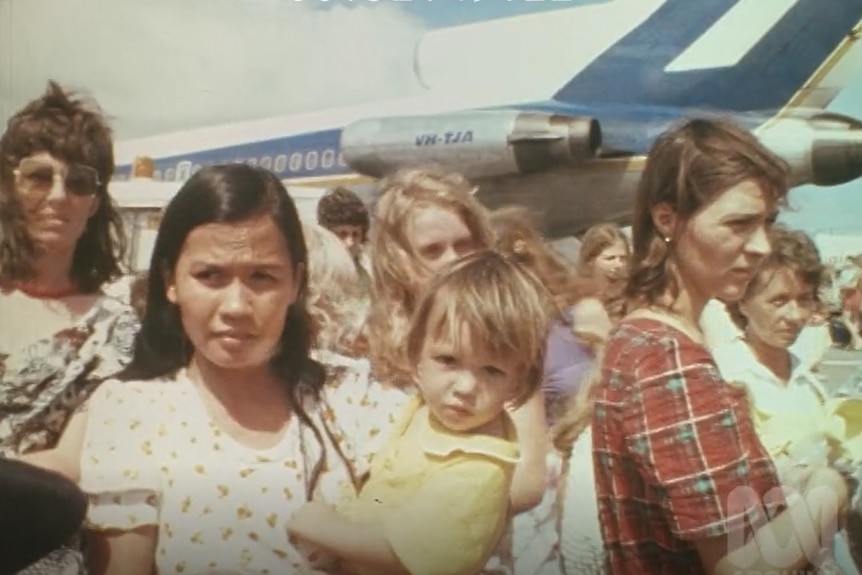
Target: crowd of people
420	387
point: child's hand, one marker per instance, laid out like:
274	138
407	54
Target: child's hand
311	519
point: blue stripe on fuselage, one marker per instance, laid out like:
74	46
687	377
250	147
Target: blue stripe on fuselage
312	154
301	156
767	77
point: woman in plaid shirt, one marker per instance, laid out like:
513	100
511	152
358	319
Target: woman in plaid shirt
681	478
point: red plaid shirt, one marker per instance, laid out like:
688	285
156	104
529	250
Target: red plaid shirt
671	443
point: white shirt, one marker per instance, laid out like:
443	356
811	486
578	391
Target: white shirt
153	456
799	400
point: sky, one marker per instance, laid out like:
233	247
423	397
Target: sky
168	65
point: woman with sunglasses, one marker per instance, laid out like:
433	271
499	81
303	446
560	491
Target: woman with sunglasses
60	244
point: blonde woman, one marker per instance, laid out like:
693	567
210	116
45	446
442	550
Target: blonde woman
338	313
424	220
334	294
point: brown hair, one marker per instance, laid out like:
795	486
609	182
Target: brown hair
595	241
503	305
598	238
394	260
687	166
791	249
342	207
75	131
517	234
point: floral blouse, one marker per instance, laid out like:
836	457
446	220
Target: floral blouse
43	383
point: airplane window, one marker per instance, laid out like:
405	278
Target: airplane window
266	163
169	174
327	159
280	163
295	162
311	160
183	169
196	168
341	161
252	162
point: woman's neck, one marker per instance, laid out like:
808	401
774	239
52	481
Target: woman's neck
683	307
682	310
254	398
775	359
52	270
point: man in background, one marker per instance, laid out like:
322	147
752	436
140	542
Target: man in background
344	214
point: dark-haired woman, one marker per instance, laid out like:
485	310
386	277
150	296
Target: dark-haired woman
195	458
60	244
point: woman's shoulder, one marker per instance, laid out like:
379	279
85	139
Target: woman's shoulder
648	344
645	332
117	324
156	389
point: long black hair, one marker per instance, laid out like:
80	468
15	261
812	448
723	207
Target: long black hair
224	194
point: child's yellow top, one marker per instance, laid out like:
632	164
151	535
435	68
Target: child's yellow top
442	496
797	421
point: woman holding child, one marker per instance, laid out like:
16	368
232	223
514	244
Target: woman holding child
424	221
217	432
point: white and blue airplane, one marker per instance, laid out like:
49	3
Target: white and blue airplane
557	110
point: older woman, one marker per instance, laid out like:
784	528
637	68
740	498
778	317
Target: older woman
682	480
196	459
60	244
790	405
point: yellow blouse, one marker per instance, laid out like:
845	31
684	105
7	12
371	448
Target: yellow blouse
442	496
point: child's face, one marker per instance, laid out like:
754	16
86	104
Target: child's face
466	389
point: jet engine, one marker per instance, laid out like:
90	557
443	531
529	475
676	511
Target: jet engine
478	144
824	149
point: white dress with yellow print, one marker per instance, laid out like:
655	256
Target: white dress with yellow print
152	456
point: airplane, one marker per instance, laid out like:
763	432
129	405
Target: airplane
140	201
557	110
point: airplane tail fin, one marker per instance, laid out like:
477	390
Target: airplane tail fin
734	55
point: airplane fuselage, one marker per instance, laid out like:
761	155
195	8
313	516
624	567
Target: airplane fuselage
585	96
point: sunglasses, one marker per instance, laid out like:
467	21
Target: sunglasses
38	177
